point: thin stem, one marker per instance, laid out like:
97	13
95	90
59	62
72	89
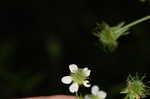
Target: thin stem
77	95
135	22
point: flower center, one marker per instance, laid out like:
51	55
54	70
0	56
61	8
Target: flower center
78	76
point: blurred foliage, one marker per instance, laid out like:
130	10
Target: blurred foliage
144	0
12	83
54	49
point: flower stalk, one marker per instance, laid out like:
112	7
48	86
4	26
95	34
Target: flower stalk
134	23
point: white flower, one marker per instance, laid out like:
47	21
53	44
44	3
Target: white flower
77	77
100	93
96	93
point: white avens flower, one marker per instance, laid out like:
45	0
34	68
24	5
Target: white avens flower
96	93
77	77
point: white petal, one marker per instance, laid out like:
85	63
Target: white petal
102	94
73	68
66	79
74	87
86	72
86	97
95	90
86	83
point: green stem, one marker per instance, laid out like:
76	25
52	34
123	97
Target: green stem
134	23
77	95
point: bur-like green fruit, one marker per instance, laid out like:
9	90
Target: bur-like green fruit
108	35
136	88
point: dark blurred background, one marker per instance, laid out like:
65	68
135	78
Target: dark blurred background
40	38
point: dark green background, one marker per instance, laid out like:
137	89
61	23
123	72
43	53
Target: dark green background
40	38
